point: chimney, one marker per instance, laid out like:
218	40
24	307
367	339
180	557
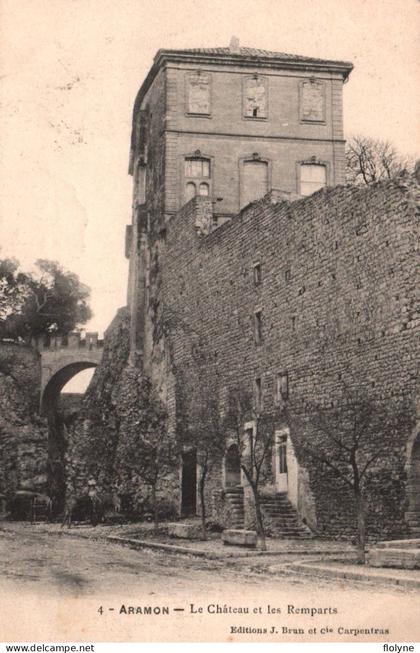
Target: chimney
234	45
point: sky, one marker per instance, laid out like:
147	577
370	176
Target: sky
70	70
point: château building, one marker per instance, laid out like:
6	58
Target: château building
249	257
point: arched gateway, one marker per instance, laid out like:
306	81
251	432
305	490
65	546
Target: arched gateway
60	362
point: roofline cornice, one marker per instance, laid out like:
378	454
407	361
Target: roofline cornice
277	62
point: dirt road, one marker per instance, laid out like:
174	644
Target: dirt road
61	585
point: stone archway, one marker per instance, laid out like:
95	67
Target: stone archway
58	380
57	430
413	486
232	469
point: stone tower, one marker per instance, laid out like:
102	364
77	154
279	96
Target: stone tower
229	123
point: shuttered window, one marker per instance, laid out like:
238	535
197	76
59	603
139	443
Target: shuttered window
197	173
313	176
254	181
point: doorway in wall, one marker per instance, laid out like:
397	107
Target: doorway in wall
232	467
413	488
281	437
189	484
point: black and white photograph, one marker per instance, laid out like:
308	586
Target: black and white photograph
209	323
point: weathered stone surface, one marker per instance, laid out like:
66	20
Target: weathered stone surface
240	538
23	434
97	434
401	558
337	311
184	531
413	543
94	435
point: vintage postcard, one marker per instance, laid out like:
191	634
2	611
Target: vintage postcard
208	322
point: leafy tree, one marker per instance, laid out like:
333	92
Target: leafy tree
371	159
13	288
350	440
255	447
146	449
48	301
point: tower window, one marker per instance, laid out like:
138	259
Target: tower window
313	176
190	191
254	180
197	167
258	394
198	93
312	101
258	327
282	387
255	97
197	173
257	274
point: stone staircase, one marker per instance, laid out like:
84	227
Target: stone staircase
281	518
235	499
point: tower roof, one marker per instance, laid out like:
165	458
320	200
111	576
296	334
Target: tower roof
255	54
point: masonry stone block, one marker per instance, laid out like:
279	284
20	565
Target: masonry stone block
398	557
183	531
240	538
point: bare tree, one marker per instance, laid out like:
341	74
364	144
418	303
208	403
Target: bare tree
205	430
255	447
371	159
350	440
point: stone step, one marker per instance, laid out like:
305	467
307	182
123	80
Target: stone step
279	511
284	520
398	557
235	500
291	536
285	510
277	506
411	543
283	517
237	537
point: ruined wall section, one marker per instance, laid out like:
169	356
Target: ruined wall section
23	434
151	149
337	303
148	208
96	434
93	436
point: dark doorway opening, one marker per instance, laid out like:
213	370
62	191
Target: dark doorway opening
189	484
232	467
